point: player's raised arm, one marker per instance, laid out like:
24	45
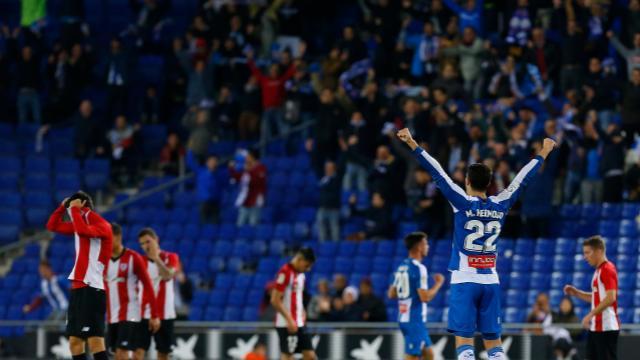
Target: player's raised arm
509	195
456	196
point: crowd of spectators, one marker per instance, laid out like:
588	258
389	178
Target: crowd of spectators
475	81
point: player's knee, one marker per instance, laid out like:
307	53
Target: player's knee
464	336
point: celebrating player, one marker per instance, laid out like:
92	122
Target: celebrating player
475	290
286	298
162	267
411	289
602	321
87	300
126	270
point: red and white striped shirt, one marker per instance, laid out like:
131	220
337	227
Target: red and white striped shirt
123	276
163	289
291	284
93	241
605	278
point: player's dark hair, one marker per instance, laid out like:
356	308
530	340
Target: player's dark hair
116	229
308	254
147	231
479	176
413	239
595	242
82	196
45	262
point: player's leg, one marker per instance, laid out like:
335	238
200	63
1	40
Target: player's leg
462	317
305	346
76	345
143	339
413	341
126	340
95	312
489	321
164	339
288	343
427	353
612	344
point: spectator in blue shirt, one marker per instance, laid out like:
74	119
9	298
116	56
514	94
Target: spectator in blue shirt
210	182
470	14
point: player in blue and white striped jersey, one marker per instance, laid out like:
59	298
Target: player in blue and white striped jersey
474	303
412	291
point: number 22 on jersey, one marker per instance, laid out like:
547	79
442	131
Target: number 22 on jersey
479	230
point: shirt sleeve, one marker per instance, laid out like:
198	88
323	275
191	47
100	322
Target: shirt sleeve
609	277
57	225
282	280
98	230
147	286
510	195
424	277
454	193
173	261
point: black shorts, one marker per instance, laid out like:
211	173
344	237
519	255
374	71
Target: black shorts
122	335
163	338
294	343
602	345
86	313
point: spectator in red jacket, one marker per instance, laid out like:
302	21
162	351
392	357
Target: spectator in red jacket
273	94
171	155
253	187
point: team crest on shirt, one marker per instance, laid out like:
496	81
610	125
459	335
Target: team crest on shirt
280	279
123	267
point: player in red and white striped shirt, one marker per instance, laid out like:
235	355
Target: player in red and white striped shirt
127	270
87	300
602	321
286	298
162	267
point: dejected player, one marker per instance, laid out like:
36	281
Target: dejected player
412	291
474	303
87	300
127	270
162	267
286	298
602	321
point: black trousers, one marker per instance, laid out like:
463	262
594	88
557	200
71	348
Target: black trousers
602	345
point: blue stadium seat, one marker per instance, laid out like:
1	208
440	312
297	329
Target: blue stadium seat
208	231
627	245
516	298
562	263
196	313
9	216
630	210
579	264
324	264
213	314
261	279
38	164
11	199
590	212
283	231
327	249
522	263
250	314
240	249
515	315
223	248
628	228
540	281
216	264
565	245
545	247
569	211
581	280
67	165
366	248
541	263
610	211
267	266
11	164
524	246
198	264
555	297
362	264
520	281
381	264
231	314
385	248
609	228
346	249
242	282
343	265
636	298
37	182
37	217
560	279
626	263
276	248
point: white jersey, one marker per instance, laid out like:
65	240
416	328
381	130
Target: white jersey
163	289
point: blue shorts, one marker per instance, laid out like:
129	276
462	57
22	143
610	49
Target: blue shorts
416	338
475	307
